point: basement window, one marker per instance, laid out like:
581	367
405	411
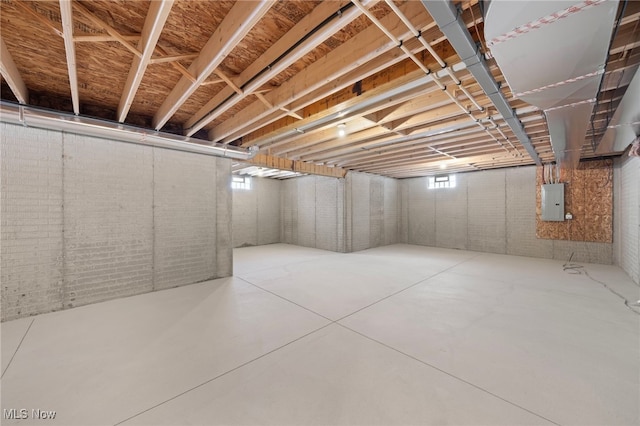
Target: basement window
441	181
241	182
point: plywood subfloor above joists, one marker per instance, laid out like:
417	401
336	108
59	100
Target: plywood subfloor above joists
283	75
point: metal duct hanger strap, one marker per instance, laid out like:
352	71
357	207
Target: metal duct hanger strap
34	117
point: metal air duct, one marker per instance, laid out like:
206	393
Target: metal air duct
452	26
34	117
553	54
624	126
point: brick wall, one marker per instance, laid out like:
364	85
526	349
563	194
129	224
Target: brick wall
108	224
184	193
31	207
491	211
627	216
86	219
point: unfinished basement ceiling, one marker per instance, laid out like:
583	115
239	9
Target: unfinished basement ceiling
320	86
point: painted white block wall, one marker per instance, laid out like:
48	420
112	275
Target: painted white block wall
372	205
499	217
108	222
87	219
31	240
312	212
626	224
344	215
184	218
256	213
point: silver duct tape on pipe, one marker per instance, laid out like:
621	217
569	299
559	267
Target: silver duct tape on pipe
33	117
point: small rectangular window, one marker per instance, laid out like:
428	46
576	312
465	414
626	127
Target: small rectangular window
441	181
241	182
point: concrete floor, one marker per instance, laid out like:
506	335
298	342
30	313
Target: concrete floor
395	335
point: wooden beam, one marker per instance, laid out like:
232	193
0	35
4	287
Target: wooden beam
350	55
173	58
255	116
90	38
264	100
397	91
264	68
439	104
236	25
153	25
357	128
66	12
229	82
10	72
296	166
176	65
100	23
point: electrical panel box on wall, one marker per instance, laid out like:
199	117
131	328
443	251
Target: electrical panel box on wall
553	202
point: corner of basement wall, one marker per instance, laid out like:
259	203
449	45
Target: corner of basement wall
372	211
626	218
490	211
150	218
257	213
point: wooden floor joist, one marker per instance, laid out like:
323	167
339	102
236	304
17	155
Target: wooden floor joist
297	166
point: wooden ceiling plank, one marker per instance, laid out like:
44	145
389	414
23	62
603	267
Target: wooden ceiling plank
396	91
362	150
459	148
264	68
231	31
173	58
176	65
358	130
370	138
437	114
384	60
66	13
10	72
379	63
100	23
104	38
296	166
264	100
47	23
153	25
229	82
350	55
431	99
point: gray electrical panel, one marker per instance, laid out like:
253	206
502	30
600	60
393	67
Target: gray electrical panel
553	202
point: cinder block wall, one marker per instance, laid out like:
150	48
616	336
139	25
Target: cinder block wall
256	213
312	212
372	211
358	212
626	220
86	220
490	211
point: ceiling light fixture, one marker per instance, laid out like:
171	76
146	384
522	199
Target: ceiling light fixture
342	129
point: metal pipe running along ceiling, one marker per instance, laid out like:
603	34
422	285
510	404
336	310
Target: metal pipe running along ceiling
34	117
450	23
